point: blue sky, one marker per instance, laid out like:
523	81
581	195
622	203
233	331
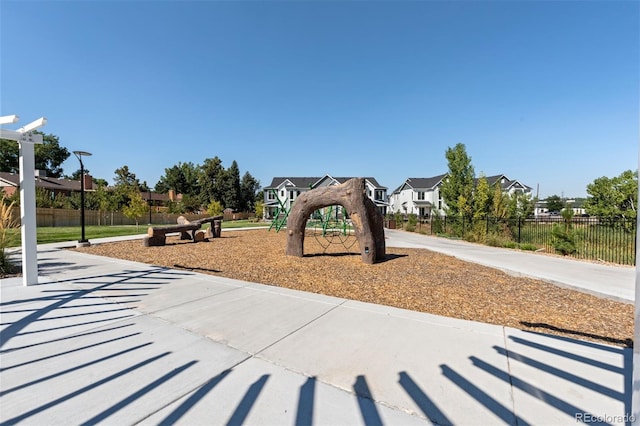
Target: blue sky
545	92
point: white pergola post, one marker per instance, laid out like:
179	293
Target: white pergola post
26	140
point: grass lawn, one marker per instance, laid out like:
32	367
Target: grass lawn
71	233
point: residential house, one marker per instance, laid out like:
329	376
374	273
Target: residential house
419	196
576	204
422	196
283	191
10	183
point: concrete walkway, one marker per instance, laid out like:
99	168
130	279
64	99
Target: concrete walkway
614	282
115	342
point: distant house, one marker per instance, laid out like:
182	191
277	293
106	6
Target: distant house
508	186
10	183
576	204
422	196
283	191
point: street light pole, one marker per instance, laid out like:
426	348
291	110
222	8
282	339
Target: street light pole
83	242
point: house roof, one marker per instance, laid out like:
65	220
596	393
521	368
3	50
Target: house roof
298	182
506	183
53	184
309	182
421	183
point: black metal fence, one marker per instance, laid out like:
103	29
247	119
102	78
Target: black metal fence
606	240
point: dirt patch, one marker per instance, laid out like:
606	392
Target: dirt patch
415	279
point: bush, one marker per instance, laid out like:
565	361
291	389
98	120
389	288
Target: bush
529	247
563	239
437	225
6	236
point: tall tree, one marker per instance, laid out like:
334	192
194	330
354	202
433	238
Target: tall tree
231	187
124	177
182	178
482	198
125	183
249	186
49	155
613	197
457	188
210	180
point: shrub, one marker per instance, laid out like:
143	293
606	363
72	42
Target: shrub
6	236
563	239
510	244
437	224
529	247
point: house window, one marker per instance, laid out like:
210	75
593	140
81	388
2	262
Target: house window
293	195
270	195
379	194
420	195
282	193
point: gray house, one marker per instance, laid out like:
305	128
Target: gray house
283	191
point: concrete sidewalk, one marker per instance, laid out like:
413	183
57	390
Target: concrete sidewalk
611	281
116	342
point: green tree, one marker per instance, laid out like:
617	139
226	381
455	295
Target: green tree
457	188
231	187
499	203
136	207
482	201
126	178
249	187
125	184
49	155
214	208
190	203
613	197
182	178
554	203
210	180
259	209
520	205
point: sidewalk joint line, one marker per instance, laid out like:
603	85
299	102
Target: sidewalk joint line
300	328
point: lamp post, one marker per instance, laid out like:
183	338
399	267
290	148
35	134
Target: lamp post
83	242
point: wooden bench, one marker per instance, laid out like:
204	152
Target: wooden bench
157	235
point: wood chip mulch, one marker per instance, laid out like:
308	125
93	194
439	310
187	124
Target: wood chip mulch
415	279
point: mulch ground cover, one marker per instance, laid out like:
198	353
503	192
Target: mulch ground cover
415	279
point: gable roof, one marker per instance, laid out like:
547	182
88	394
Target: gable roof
52	184
310	182
505	182
298	182
421	183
